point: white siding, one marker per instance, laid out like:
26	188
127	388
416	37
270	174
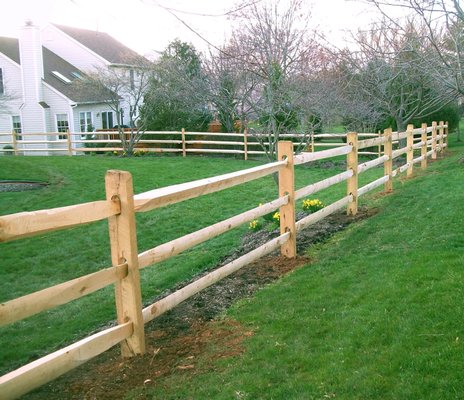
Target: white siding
13	87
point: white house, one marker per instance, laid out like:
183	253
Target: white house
36	75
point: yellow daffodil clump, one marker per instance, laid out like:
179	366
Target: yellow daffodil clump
312	205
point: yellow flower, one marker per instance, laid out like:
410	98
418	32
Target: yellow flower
254	225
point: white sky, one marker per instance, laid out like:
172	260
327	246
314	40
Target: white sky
144	26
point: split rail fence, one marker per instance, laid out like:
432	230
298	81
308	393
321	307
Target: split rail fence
180	142
120	207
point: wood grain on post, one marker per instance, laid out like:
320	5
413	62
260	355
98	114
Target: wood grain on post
245	143
379	149
123	242
352	164
410	152
441	141
424	146
15	143
434	140
68	137
184	151
388	166
446	134
287	188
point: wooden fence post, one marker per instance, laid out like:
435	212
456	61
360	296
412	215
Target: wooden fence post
68	137
424	146
379	149
287	187
15	142
410	152
123	242
245	143
312	143
352	163
184	152
441	141
388	165
434	140
447	134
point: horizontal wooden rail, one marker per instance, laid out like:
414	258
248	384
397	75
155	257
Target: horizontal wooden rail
210	142
25	306
343	135
176	246
371	186
120	149
219	151
371	164
219	134
95	141
176	193
399	135
362	144
399	152
167	141
43	370
319	155
172	300
333	144
24	224
321	214
324	184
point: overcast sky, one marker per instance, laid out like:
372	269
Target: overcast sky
145	26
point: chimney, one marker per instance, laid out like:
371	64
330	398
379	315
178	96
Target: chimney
30	50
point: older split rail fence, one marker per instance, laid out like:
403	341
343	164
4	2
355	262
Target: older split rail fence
180	142
120	207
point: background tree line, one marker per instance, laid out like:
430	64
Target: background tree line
277	75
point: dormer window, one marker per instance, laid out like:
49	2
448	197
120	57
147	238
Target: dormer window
61	77
77	75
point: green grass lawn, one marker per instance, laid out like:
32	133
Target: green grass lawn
377	315
31	264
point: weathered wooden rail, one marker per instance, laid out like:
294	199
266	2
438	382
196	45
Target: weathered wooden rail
120	207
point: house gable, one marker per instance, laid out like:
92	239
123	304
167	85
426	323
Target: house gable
104	45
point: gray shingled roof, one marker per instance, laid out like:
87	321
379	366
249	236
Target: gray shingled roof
52	62
103	44
10	47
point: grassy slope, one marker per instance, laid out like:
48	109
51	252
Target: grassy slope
378	315
31	264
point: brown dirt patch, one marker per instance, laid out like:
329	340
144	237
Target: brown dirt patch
186	339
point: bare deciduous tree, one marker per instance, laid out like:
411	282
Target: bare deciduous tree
121	88
443	23
385	76
277	51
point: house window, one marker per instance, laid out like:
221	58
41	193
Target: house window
2	89
62	125
85	121
16	124
107	119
